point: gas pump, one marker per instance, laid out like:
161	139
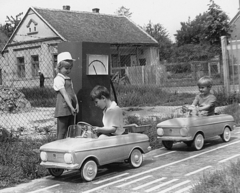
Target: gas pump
91	68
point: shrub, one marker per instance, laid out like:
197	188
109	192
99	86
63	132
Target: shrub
40	97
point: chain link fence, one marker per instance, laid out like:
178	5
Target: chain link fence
27	108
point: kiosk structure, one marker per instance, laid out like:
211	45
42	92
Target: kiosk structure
91	68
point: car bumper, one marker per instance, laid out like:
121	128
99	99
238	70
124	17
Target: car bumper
175	138
60	165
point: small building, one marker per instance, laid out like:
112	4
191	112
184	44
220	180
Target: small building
33	45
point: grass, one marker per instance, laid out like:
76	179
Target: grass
19	159
220	181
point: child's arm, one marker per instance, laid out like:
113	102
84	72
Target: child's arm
105	130
66	98
77	105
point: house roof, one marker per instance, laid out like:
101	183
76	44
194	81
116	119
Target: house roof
94	27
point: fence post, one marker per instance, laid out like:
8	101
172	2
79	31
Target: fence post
225	65
143	74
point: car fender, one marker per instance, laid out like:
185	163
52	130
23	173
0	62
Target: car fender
87	158
135	147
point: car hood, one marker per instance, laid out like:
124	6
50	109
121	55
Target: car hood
196	121
66	145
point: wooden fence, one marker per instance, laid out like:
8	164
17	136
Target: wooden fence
138	75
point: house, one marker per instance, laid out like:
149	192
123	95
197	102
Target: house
33	44
3	40
235	26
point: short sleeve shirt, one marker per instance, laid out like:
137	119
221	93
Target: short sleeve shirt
113	117
200	101
59	81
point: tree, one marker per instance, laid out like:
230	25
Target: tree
11	24
205	31
123	11
159	33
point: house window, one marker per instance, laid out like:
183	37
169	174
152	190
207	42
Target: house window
20	67
35	65
142	62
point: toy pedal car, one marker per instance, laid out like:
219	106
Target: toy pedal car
83	151
193	130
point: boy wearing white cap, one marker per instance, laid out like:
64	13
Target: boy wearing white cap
67	103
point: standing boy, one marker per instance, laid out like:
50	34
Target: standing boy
67	103
112	113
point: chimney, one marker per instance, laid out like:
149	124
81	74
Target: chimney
96	10
66	7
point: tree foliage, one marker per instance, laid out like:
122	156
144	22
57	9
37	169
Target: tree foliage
123	11
159	33
200	39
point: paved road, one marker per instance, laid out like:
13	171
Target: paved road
163	171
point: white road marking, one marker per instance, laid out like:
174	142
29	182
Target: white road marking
149	183
175	186
164	154
196	171
184	189
46	188
160	185
160	167
131	182
224	160
99	182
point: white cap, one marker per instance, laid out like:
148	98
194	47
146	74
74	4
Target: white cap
64	56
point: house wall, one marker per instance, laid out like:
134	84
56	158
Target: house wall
235	34
45	52
150	54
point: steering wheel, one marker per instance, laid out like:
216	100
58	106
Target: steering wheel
190	110
88	130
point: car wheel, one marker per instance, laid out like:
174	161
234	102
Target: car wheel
136	158
226	134
167	144
56	172
188	143
89	170
198	142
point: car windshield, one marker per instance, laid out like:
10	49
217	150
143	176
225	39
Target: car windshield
75	131
85	131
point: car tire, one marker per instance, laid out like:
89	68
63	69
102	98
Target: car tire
226	135
56	172
198	142
167	144
136	158
89	170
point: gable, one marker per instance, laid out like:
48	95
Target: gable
95	27
32	28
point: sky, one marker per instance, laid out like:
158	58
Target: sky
168	13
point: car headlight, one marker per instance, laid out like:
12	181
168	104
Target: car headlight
43	156
184	131
68	158
160	131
